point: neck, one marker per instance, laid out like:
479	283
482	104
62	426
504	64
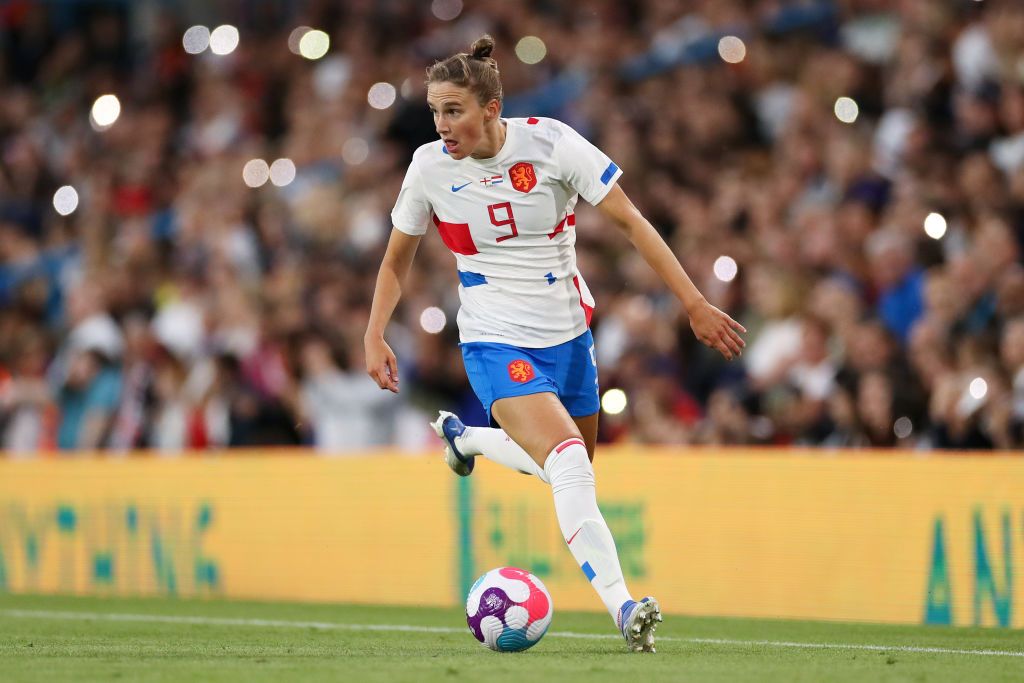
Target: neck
494	138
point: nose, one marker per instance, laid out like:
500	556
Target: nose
441	125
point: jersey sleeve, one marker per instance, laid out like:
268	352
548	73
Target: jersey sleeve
412	210
584	167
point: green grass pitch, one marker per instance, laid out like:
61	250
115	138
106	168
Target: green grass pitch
45	638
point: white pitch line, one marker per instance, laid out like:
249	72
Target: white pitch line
330	625
857	646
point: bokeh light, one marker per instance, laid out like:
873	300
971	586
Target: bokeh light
105	111
903	427
255	172
295	37
531	50
446	10
355	151
935	225
614	401
978	388
224	39
406	89
433	320
196	40
381	95
731	49
65	200
282	172
725	268
314	44
846	110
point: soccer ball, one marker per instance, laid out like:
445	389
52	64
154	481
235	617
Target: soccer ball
508	609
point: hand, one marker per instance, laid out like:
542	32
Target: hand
381	363
717	330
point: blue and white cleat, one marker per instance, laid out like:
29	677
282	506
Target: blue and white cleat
448	426
637	621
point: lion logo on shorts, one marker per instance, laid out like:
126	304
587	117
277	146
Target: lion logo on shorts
520	371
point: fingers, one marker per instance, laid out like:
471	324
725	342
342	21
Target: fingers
724	336
734	341
384	380
722	344
393	374
386	375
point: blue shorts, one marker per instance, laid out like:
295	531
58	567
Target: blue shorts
568	370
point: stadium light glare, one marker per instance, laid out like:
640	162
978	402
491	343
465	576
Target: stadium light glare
355	151
295	37
732	49
282	172
725	268
446	10
903	427
978	388
224	39
531	50
105	112
314	44
433	320
381	95
935	225
846	109
65	200
614	401
255	172
406	89
196	40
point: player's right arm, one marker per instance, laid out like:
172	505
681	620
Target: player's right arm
380	359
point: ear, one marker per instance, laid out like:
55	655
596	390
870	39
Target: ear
492	110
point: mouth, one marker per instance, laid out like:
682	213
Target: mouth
451	145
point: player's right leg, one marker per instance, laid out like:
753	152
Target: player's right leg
463	444
494	370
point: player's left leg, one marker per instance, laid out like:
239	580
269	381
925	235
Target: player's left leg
636	620
543	427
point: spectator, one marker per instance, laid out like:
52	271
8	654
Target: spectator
345	409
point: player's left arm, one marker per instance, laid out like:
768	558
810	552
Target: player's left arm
712	326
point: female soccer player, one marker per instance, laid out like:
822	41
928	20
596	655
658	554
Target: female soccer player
501	193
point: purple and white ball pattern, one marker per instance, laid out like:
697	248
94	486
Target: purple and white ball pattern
508	609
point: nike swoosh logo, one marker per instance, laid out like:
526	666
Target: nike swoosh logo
459	187
569	542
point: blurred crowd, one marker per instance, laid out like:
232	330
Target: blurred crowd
177	307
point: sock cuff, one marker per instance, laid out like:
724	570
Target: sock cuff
568	442
568	465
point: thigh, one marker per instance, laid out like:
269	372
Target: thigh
537	422
587	424
499	371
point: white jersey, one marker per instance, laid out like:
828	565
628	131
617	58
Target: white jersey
509	220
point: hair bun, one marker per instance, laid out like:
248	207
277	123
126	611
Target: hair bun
482	47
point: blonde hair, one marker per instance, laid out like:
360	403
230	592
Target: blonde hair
475	70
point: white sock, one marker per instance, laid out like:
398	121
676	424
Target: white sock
583	527
496	445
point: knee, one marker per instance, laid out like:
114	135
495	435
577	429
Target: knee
569	466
